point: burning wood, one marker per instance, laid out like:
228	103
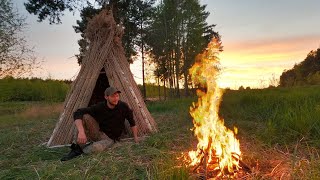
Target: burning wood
211	170
218	151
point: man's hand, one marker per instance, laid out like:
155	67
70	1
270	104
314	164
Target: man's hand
136	140
139	139
82	138
135	134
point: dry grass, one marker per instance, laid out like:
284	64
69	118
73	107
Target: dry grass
265	162
278	163
41	110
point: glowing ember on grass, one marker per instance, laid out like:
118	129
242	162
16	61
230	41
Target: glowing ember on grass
218	149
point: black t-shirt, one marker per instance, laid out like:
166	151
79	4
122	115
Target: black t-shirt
111	121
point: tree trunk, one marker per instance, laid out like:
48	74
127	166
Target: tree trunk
164	89
142	55
158	80
177	59
186	87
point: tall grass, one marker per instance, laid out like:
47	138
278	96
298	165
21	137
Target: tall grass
278	115
32	90
152	91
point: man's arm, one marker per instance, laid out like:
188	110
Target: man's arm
82	138
129	117
135	133
78	116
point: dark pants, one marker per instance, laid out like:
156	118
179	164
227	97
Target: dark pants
100	141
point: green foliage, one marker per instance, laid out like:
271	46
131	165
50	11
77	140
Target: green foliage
171	105
178	33
32	90
152	90
306	72
277	115
53	10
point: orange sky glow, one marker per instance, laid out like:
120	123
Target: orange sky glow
256	63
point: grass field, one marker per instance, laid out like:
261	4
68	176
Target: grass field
278	132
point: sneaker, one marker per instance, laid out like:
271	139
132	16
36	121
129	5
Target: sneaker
75	152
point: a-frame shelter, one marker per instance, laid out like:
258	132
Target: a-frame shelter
103	65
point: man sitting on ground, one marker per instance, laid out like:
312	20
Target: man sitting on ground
101	125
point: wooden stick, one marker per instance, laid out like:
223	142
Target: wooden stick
244	166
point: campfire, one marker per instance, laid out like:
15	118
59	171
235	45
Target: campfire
218	150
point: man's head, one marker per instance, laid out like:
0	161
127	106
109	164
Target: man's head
111	94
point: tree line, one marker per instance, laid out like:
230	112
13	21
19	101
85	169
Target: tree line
170	32
306	72
34	89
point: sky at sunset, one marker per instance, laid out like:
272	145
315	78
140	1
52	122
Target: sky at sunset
260	39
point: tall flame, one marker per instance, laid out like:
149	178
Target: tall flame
213	137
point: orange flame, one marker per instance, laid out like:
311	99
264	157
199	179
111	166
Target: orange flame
213	137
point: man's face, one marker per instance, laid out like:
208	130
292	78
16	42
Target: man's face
113	99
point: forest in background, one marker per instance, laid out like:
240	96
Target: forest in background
307	72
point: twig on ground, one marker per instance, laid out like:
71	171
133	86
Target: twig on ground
275	168
36	172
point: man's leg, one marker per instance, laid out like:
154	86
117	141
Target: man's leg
91	128
100	140
99	146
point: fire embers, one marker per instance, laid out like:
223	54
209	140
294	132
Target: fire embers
206	169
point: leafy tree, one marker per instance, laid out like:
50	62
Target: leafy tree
159	42
305	73
179	32
241	88
313	79
16	58
197	35
287	78
144	18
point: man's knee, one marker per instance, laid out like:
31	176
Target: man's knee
98	146
87	118
91	127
